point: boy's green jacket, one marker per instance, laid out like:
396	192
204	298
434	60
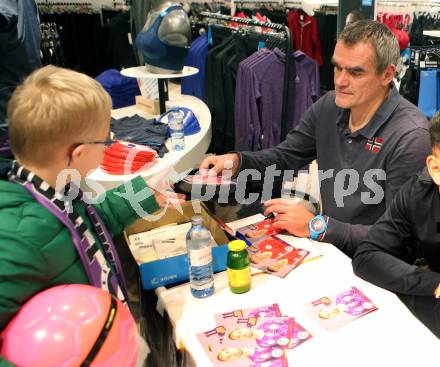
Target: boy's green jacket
36	250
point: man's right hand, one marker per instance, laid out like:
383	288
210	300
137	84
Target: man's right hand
214	165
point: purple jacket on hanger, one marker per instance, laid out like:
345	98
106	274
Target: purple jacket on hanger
259	97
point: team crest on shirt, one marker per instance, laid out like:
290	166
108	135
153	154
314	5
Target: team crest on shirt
374	145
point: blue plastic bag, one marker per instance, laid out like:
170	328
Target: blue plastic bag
428	92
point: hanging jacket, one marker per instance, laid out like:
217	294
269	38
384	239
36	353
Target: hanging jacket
305	34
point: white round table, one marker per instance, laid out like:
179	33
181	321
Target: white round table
142	72
195	145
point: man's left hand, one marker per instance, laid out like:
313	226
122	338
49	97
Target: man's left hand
291	216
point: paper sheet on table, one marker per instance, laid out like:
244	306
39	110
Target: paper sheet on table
303	243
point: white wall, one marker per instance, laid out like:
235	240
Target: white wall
407	6
309	5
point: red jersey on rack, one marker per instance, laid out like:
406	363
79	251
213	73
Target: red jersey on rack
305	34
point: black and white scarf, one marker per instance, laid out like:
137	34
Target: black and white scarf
101	263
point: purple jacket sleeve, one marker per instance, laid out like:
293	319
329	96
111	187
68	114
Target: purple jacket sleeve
246	110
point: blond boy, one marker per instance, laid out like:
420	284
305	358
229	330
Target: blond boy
59	119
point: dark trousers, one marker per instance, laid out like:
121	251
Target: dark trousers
426	309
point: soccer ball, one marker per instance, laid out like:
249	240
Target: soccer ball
68	325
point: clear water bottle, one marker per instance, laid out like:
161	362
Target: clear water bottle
198	244
175	121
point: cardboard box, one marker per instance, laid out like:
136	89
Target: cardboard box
148	105
175	269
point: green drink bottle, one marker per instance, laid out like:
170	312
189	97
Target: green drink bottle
239	269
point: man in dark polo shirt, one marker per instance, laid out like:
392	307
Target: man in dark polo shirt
410	224
367	140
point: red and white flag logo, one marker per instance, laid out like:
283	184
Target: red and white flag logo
374	145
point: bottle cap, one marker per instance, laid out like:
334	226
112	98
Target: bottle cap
175	114
237	245
197	219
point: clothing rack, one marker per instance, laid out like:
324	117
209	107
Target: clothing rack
256	2
393	3
47	2
407	3
327	8
276	27
291	4
119	5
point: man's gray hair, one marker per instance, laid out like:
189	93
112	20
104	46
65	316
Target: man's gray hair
384	42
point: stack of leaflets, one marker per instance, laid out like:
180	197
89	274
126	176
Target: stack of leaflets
253	337
268	252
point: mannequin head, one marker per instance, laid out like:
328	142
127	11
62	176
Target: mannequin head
164	42
156	7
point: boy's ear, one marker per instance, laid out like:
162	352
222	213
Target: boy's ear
433	165
75	153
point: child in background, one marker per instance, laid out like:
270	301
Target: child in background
402	250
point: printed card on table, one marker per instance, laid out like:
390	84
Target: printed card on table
299	333
249	342
207	180
272	310
269	253
335	311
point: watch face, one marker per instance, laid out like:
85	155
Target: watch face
317	224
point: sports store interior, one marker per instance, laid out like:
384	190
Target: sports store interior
242	75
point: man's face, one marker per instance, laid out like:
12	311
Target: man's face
357	84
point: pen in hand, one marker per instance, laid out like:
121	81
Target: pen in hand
270	216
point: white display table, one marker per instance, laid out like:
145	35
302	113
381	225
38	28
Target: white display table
195	145
431	33
390	336
141	72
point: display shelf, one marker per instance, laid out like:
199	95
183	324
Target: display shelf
195	145
142	72
431	33
162	79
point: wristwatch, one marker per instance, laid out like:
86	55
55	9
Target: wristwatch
317	227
